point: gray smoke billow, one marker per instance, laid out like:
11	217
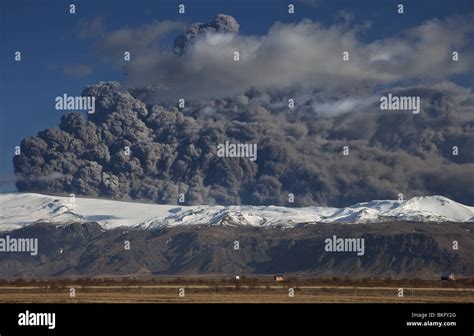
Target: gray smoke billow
220	24
173	151
300	149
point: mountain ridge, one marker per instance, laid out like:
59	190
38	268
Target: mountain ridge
20	209
87	250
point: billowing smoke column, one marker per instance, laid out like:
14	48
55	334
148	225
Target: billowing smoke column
128	150
220	24
135	148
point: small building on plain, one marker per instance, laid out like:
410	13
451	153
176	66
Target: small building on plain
448	276
278	277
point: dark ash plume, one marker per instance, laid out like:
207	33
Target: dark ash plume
299	151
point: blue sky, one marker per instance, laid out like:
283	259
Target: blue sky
47	36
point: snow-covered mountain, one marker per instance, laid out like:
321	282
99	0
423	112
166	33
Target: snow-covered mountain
19	209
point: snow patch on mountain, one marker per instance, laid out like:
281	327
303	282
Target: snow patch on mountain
20	209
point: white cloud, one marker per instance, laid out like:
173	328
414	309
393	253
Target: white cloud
343	106
306	54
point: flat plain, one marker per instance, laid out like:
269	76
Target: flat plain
212	290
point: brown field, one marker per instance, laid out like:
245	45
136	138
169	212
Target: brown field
255	290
